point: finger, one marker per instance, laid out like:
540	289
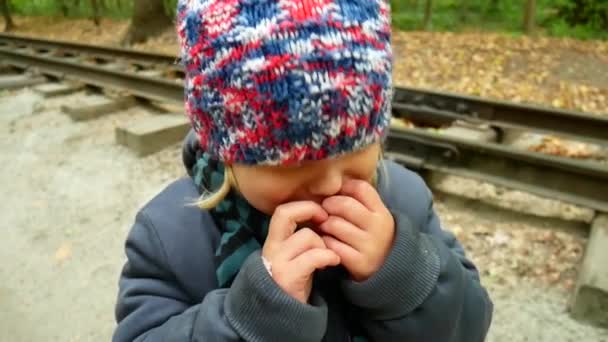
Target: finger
349	208
314	259
363	192
349	257
344	231
286	217
301	241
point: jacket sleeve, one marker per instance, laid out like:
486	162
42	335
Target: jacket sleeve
427	290
153	308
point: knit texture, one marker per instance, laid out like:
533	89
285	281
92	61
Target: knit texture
277	82
259	310
404	281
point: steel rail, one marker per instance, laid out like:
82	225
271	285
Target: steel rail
442	108
158	89
579	182
7	40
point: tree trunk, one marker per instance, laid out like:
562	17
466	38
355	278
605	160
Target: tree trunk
464	11
9	25
149	19
529	16
76	6
65	10
96	16
428	14
103	6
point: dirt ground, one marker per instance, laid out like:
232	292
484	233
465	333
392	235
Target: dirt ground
71	195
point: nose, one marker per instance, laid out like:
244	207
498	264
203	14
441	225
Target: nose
326	183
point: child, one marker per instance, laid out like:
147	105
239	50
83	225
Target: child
305	234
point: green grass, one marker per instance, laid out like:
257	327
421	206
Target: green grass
407	15
448	15
113	9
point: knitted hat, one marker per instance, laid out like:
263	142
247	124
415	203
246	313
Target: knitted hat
276	82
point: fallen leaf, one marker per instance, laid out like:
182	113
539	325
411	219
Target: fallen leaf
63	252
558	147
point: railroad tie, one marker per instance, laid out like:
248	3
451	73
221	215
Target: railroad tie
590	300
56	89
8	82
97	106
152	134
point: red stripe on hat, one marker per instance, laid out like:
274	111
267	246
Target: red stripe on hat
308	10
219	9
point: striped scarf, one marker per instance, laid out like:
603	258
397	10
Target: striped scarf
243	227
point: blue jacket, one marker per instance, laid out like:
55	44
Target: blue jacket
427	290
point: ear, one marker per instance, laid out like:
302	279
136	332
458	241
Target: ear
230	178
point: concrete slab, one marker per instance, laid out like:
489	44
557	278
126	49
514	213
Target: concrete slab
590	300
153	134
56	89
505	198
150	73
20	81
400	123
115	66
73	59
167	107
476	132
96	106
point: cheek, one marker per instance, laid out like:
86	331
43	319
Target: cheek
266	195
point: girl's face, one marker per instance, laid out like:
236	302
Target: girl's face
266	187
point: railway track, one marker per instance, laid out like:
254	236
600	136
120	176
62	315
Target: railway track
418	105
158	78
73	48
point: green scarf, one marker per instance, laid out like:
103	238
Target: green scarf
243	227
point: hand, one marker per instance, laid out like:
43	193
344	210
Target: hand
360	229
295	256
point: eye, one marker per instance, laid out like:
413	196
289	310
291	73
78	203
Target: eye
363	171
